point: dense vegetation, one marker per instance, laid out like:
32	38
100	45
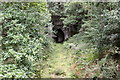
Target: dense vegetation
24	42
100	31
27	45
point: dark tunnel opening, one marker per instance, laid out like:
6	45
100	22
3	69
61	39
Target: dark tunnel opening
59	36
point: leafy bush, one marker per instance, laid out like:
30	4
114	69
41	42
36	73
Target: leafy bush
100	29
24	41
74	13
102	25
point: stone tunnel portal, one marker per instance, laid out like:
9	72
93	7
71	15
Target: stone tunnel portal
59	36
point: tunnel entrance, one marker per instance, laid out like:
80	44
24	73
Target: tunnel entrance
59	36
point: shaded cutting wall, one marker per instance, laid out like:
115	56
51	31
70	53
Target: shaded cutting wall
61	34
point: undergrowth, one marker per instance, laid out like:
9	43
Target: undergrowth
87	63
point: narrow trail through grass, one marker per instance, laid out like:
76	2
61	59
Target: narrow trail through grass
59	64
66	63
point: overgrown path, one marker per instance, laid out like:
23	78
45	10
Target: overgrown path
59	64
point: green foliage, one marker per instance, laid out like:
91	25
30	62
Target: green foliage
25	42
108	68
89	55
12	71
74	13
100	23
56	8
100	29
23	38
88	64
103	25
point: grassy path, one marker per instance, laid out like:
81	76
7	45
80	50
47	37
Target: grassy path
59	64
